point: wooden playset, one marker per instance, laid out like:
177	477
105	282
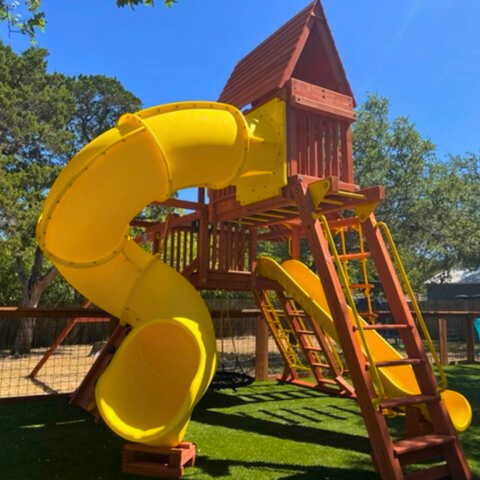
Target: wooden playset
315	323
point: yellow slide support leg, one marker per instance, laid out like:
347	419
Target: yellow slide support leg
166	363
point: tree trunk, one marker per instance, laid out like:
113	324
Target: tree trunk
32	289
24	336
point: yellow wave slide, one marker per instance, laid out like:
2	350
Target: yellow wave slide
303	285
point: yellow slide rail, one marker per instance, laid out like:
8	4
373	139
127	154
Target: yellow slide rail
375	375
406	282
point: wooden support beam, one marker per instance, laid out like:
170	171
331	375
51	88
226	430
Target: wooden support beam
185	204
261	350
296	243
203	249
470	338
443	340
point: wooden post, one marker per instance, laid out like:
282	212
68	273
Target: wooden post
252	257
296	238
261	350
347	154
443	340
203	249
470	338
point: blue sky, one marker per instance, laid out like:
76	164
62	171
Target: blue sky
424	55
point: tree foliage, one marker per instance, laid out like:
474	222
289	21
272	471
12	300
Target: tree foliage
149	3
32	20
44	119
27	18
432	204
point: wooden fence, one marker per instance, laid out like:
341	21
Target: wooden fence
67	352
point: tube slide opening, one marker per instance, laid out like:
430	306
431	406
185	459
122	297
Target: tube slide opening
152	382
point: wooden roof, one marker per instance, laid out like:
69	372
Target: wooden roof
303	48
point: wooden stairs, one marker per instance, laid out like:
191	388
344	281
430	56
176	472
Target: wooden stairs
390	456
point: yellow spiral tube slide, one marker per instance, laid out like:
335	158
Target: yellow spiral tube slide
166	363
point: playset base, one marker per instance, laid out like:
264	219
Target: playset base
161	462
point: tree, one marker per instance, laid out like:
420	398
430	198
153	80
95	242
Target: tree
44	119
33	18
35	108
428	201
99	101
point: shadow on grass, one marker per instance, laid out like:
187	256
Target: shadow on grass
218	399
223	468
299	432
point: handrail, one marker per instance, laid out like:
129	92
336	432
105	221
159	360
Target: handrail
377	382
416	308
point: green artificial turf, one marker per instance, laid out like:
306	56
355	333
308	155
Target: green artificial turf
265	431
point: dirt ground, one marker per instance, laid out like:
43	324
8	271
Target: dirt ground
64	370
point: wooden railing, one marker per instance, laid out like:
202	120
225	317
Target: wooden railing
227	247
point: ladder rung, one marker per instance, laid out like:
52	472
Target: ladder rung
380	326
368	314
305	332
408	445
322	365
398	363
406	401
435	473
354	256
328	381
313	349
362	286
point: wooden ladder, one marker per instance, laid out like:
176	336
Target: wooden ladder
321	358
84	395
390	457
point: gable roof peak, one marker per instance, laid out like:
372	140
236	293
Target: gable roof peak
271	64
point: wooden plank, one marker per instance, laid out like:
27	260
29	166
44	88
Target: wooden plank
292	144
323	108
327	125
443	340
252	256
241	281
203	249
335	148
185	204
347	154
312	147
23	312
296	243
320	94
321	146
470	338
